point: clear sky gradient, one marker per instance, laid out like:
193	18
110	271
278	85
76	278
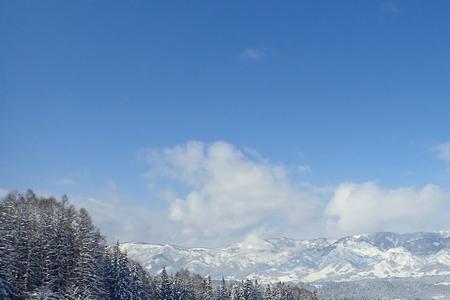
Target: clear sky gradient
347	91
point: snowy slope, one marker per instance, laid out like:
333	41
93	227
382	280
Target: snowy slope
378	255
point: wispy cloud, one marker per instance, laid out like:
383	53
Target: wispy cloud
121	218
3	193
65	181
253	54
443	151
304	169
391	7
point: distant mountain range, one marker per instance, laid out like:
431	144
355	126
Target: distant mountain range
365	256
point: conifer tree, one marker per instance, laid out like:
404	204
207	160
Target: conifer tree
164	290
87	265
119	275
223	293
8	263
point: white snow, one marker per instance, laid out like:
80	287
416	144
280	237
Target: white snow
350	258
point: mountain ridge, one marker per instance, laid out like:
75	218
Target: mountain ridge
356	257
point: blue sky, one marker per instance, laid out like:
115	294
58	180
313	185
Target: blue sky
351	91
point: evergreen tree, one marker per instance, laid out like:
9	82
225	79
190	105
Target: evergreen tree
119	275
237	292
182	287
66	245
223	293
8	253
268	293
257	293
180	290
165	286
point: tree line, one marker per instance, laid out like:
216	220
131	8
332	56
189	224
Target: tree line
51	250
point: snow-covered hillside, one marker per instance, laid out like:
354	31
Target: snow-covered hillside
378	255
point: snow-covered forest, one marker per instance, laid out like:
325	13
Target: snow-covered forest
51	250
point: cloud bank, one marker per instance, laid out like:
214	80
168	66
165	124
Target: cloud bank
367	207
224	192
229	192
211	194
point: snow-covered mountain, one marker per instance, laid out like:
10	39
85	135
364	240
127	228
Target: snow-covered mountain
366	256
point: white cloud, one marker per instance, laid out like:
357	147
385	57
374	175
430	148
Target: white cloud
367	207
65	181
230	193
3	193
253	54
304	169
215	193
443	151
122	219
